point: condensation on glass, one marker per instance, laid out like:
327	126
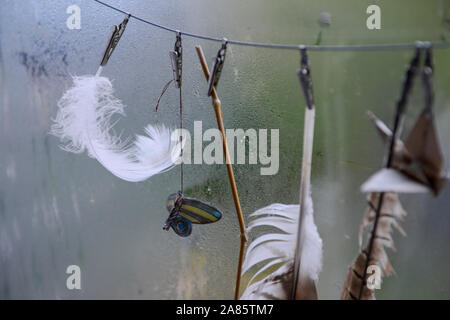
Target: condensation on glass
59	209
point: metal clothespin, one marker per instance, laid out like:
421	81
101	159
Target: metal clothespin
304	75
113	40
217	67
176	58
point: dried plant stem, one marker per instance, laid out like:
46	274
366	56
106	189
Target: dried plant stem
400	108
218	111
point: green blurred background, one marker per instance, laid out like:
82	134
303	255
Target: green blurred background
58	209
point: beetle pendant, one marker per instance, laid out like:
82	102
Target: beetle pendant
185	211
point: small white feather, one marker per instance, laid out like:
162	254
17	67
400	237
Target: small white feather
84	123
391	180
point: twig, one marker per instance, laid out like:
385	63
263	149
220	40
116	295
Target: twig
218	110
401	105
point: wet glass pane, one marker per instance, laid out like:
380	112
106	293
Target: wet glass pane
59	209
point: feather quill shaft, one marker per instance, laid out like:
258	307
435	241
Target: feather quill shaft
308	138
288	261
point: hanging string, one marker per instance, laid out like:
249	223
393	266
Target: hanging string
181	143
397	46
176	60
181	128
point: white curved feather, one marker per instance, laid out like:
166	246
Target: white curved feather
84	123
279	247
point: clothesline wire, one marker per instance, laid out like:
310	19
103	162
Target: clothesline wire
397	46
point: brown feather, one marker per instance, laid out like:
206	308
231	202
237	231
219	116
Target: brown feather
423	144
391	214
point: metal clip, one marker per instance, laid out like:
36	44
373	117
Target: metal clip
176	58
114	37
304	75
217	67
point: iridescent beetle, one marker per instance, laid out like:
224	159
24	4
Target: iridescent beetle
186	211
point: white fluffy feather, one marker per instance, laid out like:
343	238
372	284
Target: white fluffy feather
84	123
278	248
